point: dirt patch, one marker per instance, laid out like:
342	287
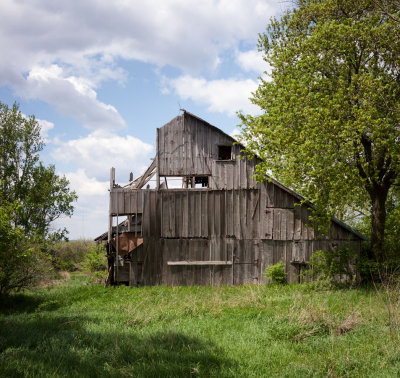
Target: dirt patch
64	274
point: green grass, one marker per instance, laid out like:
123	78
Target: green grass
74	330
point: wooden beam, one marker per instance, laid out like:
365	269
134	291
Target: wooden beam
110	218
158	159
112	177
199	263
144	179
116	253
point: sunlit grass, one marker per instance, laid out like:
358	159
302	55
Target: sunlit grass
76	330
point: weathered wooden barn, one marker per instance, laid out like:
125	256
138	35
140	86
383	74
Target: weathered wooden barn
219	227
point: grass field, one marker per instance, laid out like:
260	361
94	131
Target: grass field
74	330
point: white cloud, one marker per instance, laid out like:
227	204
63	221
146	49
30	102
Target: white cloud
252	60
224	95
71	96
235	133
86	186
101	150
89	220
188	34
45	127
87	39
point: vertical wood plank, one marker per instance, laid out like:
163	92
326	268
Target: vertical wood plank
276	231
297	222
158	159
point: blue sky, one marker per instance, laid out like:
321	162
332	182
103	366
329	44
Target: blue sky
101	76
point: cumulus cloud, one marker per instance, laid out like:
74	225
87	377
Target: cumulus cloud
88	38
86	186
184	33
224	95
45	127
70	96
100	150
95	155
90	219
252	60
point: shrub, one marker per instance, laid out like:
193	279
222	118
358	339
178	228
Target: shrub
276	273
22	259
332	266
95	262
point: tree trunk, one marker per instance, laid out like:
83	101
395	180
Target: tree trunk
378	217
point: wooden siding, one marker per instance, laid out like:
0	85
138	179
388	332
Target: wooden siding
186	148
206	213
253	228
189	147
126	201
250	259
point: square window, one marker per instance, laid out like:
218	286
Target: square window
224	152
201	181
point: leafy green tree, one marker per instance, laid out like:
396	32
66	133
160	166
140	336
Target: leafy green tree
43	195
330	125
32	196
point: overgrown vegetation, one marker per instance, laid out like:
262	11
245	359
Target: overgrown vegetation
70	255
243	331
95	263
335	266
83	257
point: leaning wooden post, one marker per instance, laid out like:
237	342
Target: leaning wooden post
110	221
158	159
112	182
116	251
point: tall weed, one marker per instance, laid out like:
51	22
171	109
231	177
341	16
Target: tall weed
69	255
95	263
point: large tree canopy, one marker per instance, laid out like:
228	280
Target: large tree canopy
330	125
32	196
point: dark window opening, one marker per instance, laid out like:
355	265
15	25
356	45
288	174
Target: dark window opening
224	152
201	181
195	182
